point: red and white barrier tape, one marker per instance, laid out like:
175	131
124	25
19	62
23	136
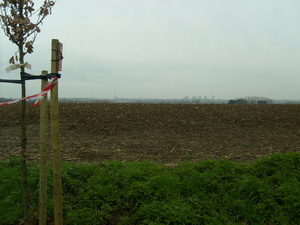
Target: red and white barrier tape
40	95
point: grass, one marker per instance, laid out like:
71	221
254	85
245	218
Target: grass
206	192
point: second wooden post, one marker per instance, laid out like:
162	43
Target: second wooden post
43	156
57	182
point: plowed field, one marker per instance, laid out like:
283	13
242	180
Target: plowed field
165	133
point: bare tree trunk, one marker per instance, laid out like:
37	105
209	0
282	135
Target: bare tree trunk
23	130
24	146
16	24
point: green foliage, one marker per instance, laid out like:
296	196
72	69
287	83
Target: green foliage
10	192
285	165
18	21
207	192
170	212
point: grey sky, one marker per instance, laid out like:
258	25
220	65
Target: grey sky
168	49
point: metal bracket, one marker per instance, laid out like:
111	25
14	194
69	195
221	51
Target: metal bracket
27	76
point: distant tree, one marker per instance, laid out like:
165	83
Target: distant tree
251	100
242	101
239	101
231	102
262	102
16	20
5	99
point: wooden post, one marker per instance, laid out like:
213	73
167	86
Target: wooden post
43	156
57	183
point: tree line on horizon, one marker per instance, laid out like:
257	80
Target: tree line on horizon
251	100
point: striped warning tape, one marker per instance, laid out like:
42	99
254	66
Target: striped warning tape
40	95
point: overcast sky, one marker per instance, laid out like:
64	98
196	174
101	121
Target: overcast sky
168	49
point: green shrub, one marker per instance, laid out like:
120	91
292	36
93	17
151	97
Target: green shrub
85	216
286	165
10	192
171	212
208	192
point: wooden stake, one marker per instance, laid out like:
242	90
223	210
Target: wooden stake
57	183
43	156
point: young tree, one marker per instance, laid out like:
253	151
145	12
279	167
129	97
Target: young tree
21	24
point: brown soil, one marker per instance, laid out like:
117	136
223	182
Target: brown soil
164	133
